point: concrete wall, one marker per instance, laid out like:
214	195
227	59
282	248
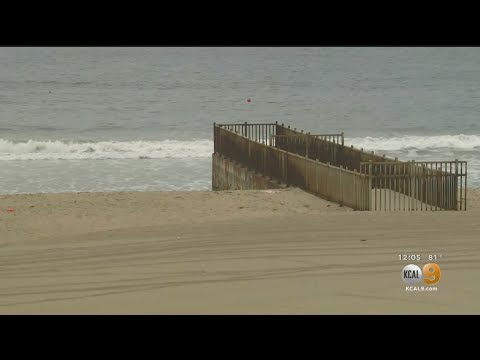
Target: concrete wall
231	175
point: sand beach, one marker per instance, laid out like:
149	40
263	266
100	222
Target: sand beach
229	252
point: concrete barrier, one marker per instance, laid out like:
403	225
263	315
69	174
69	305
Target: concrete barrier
231	175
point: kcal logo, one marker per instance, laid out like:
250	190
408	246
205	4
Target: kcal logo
412	274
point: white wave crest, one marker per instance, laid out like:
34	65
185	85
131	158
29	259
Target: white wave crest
416	142
72	150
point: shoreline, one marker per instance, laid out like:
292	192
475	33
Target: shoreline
470	191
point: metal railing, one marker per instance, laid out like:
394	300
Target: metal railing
327	148
262	133
342	174
346	187
417	186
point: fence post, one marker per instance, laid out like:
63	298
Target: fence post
341	185
355	190
327	188
334	153
249	152
306	160
265	161
465	186
286	167
306	144
219	139
413	197
342	138
369	194
282	171
214	138
455	186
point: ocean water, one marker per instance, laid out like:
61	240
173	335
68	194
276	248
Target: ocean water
107	119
